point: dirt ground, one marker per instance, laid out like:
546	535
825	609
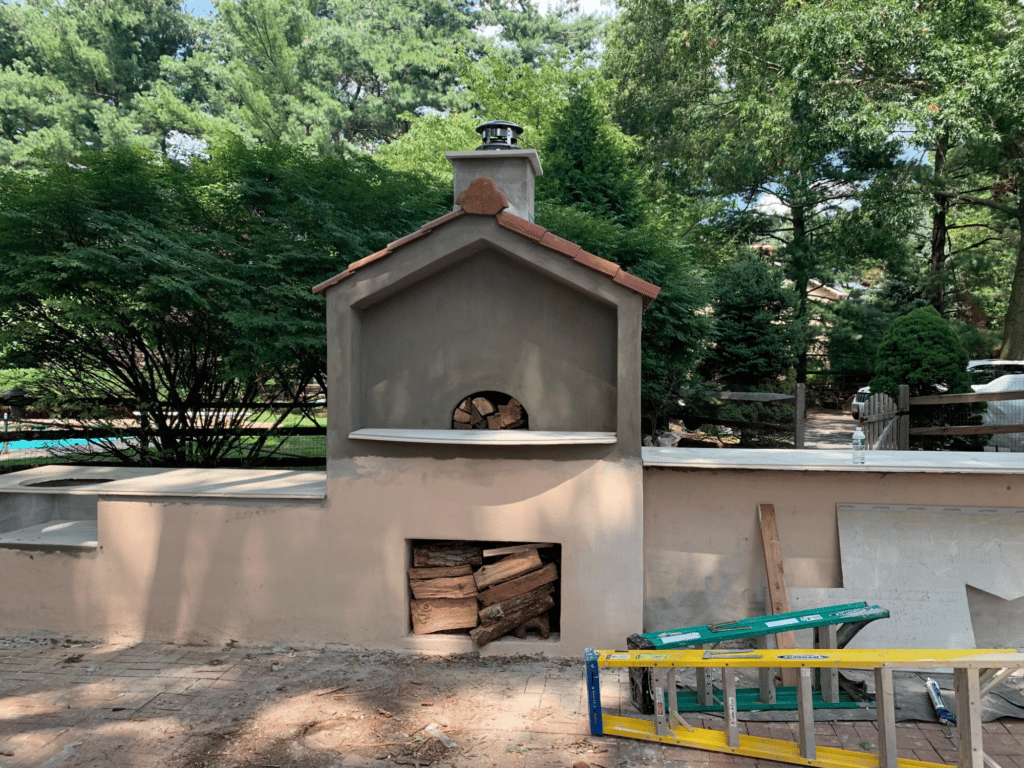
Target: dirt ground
75	704
69	704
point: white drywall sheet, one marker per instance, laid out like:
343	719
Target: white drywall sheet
917	561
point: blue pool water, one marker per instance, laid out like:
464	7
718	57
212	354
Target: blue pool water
39	445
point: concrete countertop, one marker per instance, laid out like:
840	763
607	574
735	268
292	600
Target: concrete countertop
485	437
942	462
249	484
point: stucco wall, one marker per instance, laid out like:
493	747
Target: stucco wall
183	572
593	509
489	323
25	510
703	556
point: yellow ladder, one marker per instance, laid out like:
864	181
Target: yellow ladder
669	727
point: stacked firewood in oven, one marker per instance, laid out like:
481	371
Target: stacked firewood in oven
481	413
453	589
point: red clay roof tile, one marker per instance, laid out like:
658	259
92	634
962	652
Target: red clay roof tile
394	245
588	259
482	196
432	225
563	246
522	226
482	201
328	283
648	290
367	260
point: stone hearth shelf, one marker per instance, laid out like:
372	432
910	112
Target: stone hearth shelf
484	437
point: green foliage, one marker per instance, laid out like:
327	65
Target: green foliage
754	342
922	351
588	162
854	329
77	74
675	328
183	287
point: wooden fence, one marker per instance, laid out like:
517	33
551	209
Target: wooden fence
887	423
796	428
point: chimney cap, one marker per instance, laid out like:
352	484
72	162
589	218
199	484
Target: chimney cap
498	134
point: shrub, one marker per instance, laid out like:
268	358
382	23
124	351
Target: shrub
922	351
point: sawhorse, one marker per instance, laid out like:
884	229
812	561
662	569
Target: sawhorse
834	626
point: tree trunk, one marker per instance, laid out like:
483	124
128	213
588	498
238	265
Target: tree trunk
1013	323
799	266
940	233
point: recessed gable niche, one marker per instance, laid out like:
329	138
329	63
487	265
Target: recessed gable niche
489	323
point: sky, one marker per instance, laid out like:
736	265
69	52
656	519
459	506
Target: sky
205	7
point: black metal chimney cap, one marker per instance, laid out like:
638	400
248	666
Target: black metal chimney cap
499	134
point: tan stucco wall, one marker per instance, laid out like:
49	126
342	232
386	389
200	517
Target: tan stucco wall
703	556
183	572
208	571
594	510
489	323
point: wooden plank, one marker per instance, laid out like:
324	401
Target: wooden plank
981	429
967	688
510	567
885	708
458	586
446	554
799	426
484	635
440	572
755	397
968	397
828	637
732	726
776	579
805	712
519	586
439	615
513	549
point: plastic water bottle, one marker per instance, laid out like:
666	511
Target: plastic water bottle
860	446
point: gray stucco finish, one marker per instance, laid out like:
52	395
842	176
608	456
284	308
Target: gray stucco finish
476	307
489	323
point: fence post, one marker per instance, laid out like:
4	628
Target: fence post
903	427
798	437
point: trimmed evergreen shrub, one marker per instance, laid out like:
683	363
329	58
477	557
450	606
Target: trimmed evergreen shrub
922	351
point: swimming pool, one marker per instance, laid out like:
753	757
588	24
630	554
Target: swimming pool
41	445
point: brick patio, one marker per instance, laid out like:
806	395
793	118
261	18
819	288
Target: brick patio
72	705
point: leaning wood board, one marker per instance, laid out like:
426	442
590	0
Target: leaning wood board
776	579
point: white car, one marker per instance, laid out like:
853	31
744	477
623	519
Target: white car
1004	412
858	400
985	371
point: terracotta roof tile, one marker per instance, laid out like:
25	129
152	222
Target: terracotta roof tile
432	225
482	196
480	199
649	291
588	259
328	283
522	226
563	246
367	260
394	245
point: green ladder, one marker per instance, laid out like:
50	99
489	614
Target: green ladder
834	627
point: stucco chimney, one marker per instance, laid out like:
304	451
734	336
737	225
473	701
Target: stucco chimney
512	169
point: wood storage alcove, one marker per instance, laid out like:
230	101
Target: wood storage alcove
485	589
490	410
